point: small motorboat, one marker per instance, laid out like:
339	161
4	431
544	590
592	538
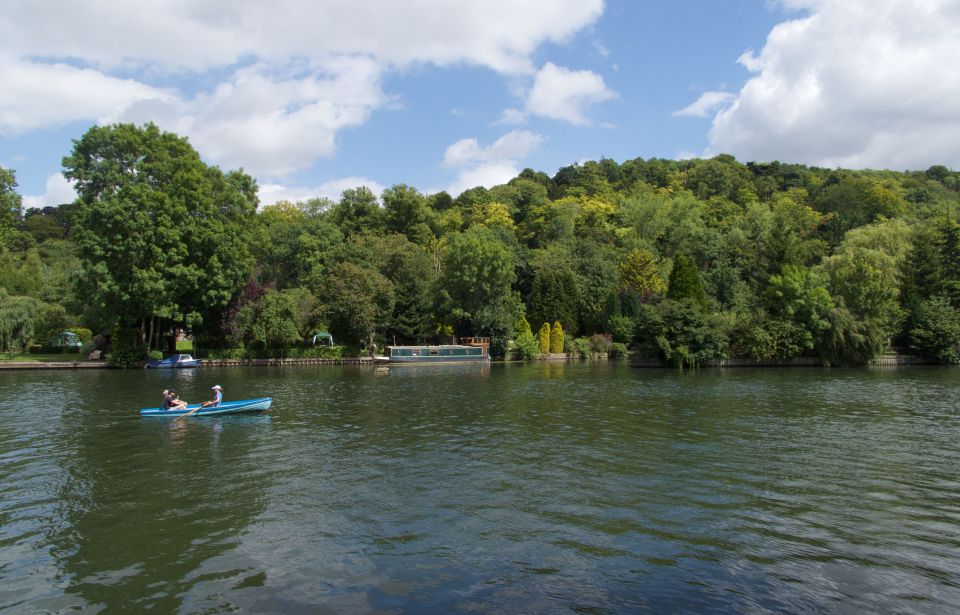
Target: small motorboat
226	407
175	361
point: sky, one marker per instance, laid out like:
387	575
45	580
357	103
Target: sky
312	97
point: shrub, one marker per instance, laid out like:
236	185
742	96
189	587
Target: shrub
580	348
85	335
498	347
681	334
600	343
618	351
125	357
125	352
937	334
543	337
620	328
556	338
154	355
257	352
525	347
770	338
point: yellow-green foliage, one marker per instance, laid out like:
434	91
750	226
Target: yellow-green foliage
638	272
556	338
544	338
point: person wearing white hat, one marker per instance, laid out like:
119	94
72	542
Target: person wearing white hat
217	397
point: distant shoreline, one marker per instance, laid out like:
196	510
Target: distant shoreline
882	361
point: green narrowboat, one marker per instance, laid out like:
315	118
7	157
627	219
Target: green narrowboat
472	349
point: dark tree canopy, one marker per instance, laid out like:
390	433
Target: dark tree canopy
160	233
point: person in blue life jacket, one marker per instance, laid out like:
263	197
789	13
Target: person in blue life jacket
171	402
217	397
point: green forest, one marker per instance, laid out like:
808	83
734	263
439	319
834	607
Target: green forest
681	260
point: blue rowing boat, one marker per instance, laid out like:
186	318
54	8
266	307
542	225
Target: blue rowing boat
226	407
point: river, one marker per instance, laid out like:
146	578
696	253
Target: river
539	488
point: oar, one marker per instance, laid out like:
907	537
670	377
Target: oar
188	413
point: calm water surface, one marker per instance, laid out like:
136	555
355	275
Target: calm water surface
541	489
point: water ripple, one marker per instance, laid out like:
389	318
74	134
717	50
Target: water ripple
543	488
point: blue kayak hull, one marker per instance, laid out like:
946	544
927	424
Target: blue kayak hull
227	407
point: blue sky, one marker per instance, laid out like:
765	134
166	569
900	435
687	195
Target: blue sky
312	97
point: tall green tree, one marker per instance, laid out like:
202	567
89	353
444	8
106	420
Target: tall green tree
685	281
358	210
11	205
161	235
639	274
478	272
937	331
681	333
358	302
278	319
17	316
799	295
406	211
554	295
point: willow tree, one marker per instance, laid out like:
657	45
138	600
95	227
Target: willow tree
162	236
17	315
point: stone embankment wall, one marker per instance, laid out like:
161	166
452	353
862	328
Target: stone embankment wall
206	363
891	360
53	365
282	362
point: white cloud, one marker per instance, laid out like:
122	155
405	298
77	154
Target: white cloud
36	95
333	189
705	105
486	175
59	190
270	124
488	166
511	146
277	126
278	80
512	116
854	83
563	94
176	35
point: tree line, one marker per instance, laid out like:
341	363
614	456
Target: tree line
682	260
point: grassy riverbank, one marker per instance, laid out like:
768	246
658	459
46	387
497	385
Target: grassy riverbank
52	357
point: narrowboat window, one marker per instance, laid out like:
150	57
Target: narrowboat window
434	351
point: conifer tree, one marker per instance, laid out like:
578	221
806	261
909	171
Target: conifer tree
631	304
556	338
612	305
543	337
685	282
